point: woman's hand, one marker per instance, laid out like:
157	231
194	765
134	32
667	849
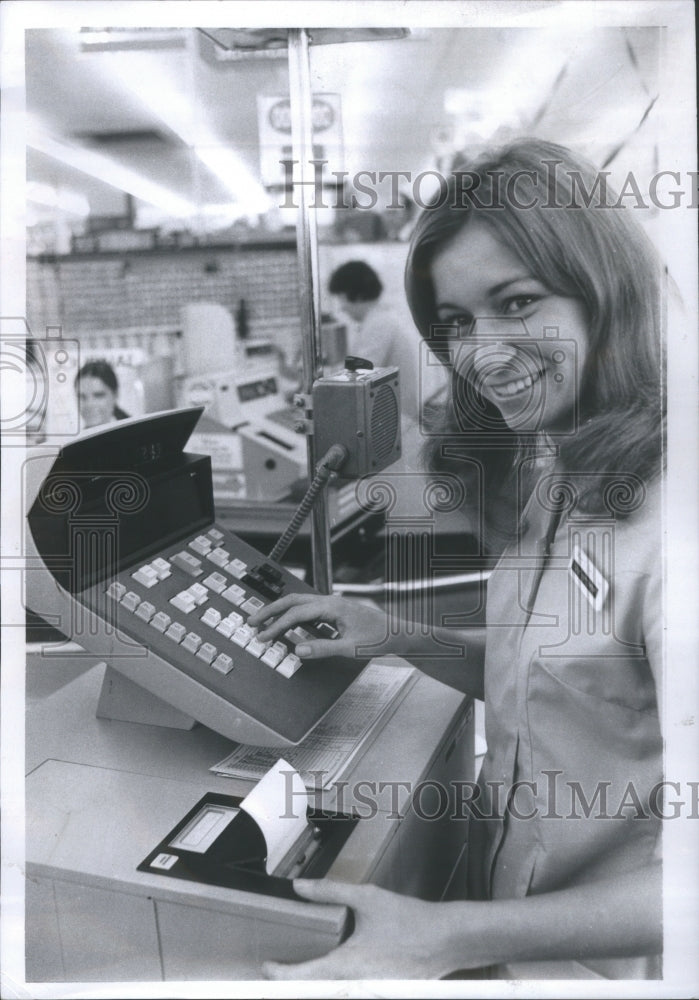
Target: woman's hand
394	937
357	624
400	937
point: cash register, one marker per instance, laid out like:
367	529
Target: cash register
138	571
141	863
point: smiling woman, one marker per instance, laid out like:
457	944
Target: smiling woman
565	297
548	322
510	359
97	387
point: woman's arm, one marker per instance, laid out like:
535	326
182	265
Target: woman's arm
454	657
399	937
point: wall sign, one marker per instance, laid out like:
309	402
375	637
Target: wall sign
274	127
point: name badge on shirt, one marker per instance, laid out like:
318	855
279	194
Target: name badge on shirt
588	579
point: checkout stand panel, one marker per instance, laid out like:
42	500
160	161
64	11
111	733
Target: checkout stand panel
101	794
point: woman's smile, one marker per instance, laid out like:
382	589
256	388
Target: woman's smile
520	345
515	387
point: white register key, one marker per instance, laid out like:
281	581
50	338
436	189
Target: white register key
289	665
275	654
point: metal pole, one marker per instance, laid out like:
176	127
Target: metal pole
301	100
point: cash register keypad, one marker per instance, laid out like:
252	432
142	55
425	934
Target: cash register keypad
214	631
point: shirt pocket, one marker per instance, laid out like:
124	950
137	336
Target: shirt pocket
623	681
599	653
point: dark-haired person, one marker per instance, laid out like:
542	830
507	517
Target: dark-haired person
549	322
374	330
97	388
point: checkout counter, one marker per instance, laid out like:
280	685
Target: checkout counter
141	864
102	794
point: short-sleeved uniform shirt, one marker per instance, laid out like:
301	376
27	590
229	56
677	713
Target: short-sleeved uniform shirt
570	788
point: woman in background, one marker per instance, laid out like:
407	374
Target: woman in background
97	388
546	313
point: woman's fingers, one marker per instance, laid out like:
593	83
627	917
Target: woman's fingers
294	616
275	618
353	625
338	964
317	649
281	605
328	891
392	936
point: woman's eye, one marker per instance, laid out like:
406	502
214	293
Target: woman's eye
517	303
459	321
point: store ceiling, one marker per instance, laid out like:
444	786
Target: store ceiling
161	106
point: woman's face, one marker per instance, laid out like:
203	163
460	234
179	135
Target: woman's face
527	349
96	401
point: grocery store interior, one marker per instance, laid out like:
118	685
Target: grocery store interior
162	227
192	194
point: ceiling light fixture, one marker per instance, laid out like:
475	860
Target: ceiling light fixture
108	171
169	99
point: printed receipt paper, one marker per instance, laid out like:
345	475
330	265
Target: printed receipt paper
278	805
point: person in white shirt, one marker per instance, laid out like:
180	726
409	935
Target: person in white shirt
375	330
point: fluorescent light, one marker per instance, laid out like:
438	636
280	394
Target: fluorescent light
123	39
107	170
222	162
169	100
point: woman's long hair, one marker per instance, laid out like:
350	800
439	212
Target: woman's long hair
575	239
